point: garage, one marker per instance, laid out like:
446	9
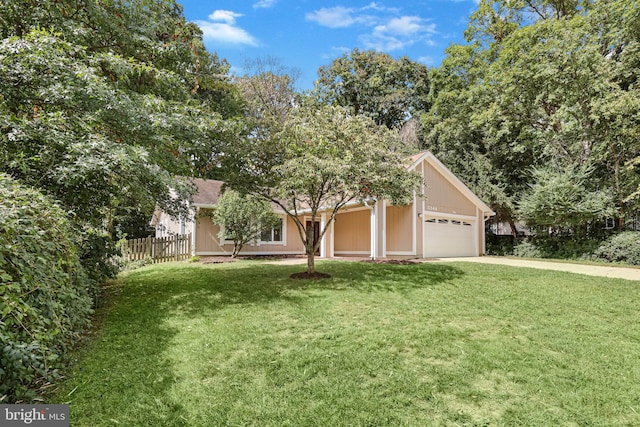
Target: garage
448	237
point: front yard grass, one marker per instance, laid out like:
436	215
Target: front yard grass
376	345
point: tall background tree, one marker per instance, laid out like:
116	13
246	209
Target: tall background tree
390	91
540	87
108	105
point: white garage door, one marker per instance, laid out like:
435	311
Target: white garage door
443	237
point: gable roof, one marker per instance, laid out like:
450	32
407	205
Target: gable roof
208	191
427	156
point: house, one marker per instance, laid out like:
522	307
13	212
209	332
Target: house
448	222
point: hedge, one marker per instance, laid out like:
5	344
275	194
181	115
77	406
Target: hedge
44	303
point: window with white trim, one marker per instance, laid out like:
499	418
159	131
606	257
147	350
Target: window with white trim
273	234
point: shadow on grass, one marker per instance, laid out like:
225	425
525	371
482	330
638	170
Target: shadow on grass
124	376
192	288
120	371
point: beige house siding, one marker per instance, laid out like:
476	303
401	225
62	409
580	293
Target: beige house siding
442	196
208	243
399	228
168	226
400	231
352	232
207	237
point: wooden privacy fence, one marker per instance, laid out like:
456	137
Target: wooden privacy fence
160	249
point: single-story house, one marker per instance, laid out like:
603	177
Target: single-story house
448	222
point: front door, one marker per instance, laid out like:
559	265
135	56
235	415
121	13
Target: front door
316	233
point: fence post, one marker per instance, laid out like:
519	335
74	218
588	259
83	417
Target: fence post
148	248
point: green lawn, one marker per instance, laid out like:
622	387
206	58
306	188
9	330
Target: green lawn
376	345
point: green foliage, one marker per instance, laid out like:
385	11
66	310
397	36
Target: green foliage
500	245
622	247
561	202
541	82
242	218
576	247
103	104
90	141
101	258
44	302
526	249
323	157
374	84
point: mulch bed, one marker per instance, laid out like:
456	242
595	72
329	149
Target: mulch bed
215	259
313	276
393	261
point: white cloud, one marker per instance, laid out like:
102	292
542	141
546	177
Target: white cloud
380	8
332	17
400	32
427	60
405	26
222	29
383	43
388	31
264	4
225	16
336	51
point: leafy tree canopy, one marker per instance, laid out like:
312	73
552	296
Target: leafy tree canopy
374	84
323	158
242	218
541	82
106	107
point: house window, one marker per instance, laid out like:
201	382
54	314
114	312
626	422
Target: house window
609	224
273	234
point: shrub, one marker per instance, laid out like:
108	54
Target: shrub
500	245
44	304
527	249
561	247
101	259
622	247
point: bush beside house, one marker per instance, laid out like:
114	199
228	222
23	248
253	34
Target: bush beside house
44	302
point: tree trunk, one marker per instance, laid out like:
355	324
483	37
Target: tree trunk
512	225
237	247
310	247
311	262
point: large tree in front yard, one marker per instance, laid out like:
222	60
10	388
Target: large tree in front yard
323	158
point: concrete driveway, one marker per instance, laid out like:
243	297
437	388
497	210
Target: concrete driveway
589	270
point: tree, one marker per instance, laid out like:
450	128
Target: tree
560	202
322	158
107	107
242	218
540	82
103	105
388	90
109	104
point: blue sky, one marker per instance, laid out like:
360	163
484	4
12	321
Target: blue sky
305	34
